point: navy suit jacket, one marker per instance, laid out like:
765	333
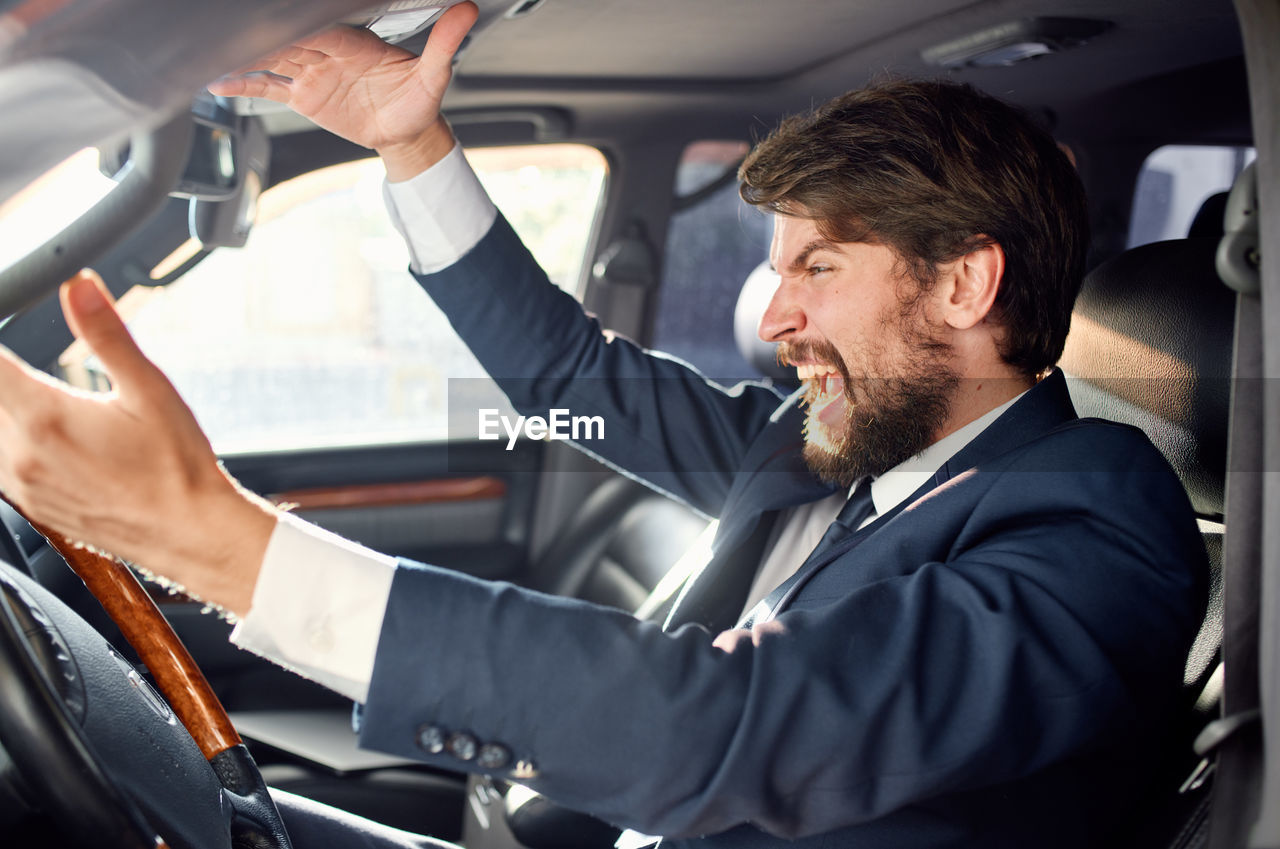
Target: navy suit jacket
987	665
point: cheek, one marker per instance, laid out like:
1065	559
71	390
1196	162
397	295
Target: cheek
851	333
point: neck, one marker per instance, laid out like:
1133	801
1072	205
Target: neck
977	396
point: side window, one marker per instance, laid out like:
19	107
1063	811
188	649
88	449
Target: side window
1173	185
713	243
314	334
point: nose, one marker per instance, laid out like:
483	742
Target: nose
783	317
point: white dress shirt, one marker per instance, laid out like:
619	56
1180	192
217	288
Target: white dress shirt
319	601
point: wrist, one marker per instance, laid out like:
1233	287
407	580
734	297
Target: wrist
246	522
217	558
406	160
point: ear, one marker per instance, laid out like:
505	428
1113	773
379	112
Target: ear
972	285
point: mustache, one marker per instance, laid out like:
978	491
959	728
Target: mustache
810	350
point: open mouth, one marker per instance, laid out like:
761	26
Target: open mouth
826	392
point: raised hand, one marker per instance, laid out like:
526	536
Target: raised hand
127	471
355	85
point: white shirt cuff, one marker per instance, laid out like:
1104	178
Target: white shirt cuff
442	213
318	606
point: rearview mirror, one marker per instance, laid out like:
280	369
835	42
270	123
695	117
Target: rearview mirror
225	171
225	222
213	169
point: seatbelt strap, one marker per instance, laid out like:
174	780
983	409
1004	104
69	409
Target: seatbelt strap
1251	550
1238	770
691	563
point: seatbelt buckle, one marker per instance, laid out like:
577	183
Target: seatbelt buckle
1210	739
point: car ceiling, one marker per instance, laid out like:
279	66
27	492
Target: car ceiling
617	66
609	69
661	72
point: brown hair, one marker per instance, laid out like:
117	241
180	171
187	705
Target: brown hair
929	168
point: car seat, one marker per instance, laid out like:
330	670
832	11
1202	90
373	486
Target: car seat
1151	346
618	546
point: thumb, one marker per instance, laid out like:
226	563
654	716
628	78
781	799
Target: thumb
91	315
447	34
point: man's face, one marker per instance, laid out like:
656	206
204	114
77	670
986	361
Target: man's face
878	377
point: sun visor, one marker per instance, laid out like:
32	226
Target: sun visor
78	73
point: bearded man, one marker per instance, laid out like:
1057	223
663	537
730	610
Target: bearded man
968	609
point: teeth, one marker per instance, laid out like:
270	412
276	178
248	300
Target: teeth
806	371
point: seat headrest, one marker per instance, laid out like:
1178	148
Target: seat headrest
1151	345
753	300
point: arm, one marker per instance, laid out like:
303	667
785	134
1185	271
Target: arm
663	421
1038	627
1050	632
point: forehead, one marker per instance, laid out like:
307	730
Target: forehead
790	227
795	237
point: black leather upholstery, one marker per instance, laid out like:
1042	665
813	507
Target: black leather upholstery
619	546
1150	345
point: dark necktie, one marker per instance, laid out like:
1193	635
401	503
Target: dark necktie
854	512
851	515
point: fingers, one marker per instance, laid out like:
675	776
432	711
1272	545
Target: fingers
270	76
92	317
257	84
308	51
448	32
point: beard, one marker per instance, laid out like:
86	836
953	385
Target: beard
886	420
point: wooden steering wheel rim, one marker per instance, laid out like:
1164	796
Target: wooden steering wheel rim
256	820
152	637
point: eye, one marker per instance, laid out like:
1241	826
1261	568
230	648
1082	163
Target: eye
818	268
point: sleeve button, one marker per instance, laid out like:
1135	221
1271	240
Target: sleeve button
431	739
493	756
462	746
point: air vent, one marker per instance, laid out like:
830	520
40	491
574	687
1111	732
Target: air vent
1014	42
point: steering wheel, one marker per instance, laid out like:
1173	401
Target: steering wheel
96	747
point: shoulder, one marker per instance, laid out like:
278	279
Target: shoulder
1089	445
1090	471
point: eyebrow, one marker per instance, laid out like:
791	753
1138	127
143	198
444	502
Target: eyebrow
803	257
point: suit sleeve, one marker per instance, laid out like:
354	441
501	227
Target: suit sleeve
662	421
1050	630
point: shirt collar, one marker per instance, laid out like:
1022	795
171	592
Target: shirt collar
892	488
